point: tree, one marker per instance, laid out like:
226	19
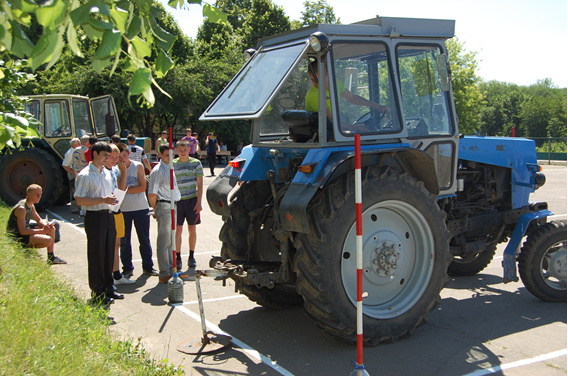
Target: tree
467	96
249	21
544	113
503	103
318	12
14	122
120	29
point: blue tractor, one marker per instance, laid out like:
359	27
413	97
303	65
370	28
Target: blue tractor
434	202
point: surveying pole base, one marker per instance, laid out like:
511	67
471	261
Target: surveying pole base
212	343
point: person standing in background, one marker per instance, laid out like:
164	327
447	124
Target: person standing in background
88	156
163	139
71	173
197	146
137	153
193	143
79	160
135	209
212	149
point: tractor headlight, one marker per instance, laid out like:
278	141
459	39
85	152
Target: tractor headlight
249	53
319	41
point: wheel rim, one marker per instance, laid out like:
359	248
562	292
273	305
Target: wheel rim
398	259
553	266
23	173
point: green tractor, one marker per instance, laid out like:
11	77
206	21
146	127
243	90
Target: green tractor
63	117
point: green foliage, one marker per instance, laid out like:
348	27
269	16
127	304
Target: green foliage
555	146
249	20
118	30
538	110
47	330
317	12
15	123
465	83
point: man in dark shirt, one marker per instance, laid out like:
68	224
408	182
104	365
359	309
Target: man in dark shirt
18	225
212	149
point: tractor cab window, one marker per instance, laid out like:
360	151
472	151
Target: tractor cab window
57	121
425	104
286	115
104	116
33	107
363	89
82	118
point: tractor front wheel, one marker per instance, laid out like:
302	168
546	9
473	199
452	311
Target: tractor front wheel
542	262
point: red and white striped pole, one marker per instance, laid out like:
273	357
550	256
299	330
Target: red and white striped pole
172	204
359	367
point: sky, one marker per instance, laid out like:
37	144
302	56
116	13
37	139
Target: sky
517	41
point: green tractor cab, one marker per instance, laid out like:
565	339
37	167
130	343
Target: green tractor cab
62	117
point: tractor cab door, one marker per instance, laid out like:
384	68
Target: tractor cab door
104	116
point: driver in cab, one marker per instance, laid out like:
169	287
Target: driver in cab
312	102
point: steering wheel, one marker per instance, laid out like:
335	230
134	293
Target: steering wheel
372	119
58	132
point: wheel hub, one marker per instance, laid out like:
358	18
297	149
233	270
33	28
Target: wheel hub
386	258
557	264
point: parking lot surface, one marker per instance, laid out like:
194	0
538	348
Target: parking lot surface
482	327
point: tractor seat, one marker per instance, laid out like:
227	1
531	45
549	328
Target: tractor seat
304	125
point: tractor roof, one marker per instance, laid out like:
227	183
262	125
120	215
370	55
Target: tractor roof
379	26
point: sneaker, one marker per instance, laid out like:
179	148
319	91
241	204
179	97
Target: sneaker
178	262
151	272
191	262
124	281
183	276
165	279
55	260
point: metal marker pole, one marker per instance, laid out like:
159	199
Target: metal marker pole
172	205
359	367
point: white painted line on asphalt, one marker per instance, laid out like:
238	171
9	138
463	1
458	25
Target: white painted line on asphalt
81	230
516	364
246	348
215	299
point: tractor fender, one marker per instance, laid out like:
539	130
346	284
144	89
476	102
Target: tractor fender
330	164
510	253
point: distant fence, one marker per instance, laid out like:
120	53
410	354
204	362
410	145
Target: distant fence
547	143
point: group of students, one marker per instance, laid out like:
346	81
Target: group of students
108	229
211	143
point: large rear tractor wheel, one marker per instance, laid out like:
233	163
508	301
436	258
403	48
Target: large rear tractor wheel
19	169
253	197
472	265
405	256
542	262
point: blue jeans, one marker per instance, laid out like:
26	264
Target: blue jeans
142	225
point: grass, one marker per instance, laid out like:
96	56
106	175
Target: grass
46	330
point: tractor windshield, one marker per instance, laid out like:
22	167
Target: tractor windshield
249	91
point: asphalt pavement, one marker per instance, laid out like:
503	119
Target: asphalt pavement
482	326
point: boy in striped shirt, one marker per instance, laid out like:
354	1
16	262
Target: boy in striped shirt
189	178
